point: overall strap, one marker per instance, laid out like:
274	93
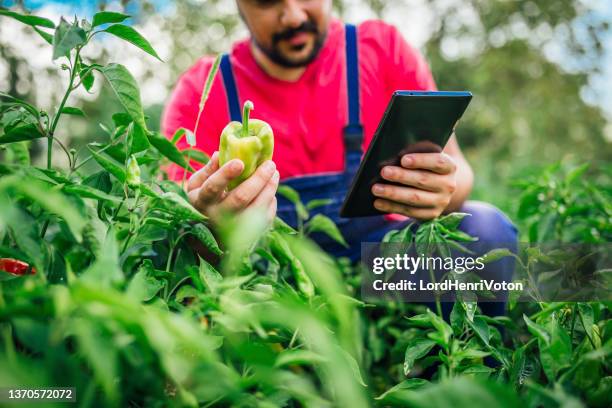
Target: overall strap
231	91
353	131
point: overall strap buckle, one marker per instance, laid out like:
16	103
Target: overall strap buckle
353	137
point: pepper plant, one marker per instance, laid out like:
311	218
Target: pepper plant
105	292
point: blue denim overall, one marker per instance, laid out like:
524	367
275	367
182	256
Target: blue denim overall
485	220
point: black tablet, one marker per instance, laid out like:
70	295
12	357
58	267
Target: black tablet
414	122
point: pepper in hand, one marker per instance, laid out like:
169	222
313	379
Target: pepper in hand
251	141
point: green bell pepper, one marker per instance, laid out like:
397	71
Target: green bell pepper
251	141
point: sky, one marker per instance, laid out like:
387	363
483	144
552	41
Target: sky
417	32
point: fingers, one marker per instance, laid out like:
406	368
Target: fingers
407	196
214	186
205	172
266	195
413	212
440	163
421	179
271	210
245	193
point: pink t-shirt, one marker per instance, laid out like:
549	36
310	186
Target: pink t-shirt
307	115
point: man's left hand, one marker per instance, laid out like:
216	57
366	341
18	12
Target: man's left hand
428	183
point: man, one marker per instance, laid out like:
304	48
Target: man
323	88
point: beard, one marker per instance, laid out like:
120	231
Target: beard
275	55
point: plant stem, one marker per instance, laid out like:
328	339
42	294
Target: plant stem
185	170
547	310
43	231
438	304
248	106
59	109
573	325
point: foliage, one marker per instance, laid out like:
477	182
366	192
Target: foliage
122	307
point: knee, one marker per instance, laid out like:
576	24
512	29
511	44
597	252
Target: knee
488	223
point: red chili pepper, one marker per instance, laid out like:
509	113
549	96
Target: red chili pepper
15	266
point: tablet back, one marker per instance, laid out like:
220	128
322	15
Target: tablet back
413	122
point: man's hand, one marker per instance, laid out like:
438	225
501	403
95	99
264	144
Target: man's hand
206	189
428	185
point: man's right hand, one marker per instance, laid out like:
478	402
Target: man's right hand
207	189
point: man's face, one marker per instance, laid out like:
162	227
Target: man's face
289	32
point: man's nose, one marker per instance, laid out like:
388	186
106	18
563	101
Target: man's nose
293	14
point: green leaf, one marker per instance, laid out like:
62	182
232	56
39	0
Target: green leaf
293	196
207	238
289	193
460	392
586	318
576	172
51	200
281	250
169	150
420	320
441	326
121	119
105	17
126	88
105	271
457	318
144	287
87	78
425	237
322	223
394	394
70	110
30	20
496	254
196	155
298	357
529	202
282	226
208	84
481	329
451	221
100	353
178	134
132	36
470	354
209	276
86	191
556	354
537	330
109	165
45	36
138	138
21	133
27	106
19	153
354	366
67	37
318	202
177	205
417	348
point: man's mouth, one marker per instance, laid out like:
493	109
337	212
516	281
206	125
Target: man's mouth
298	40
